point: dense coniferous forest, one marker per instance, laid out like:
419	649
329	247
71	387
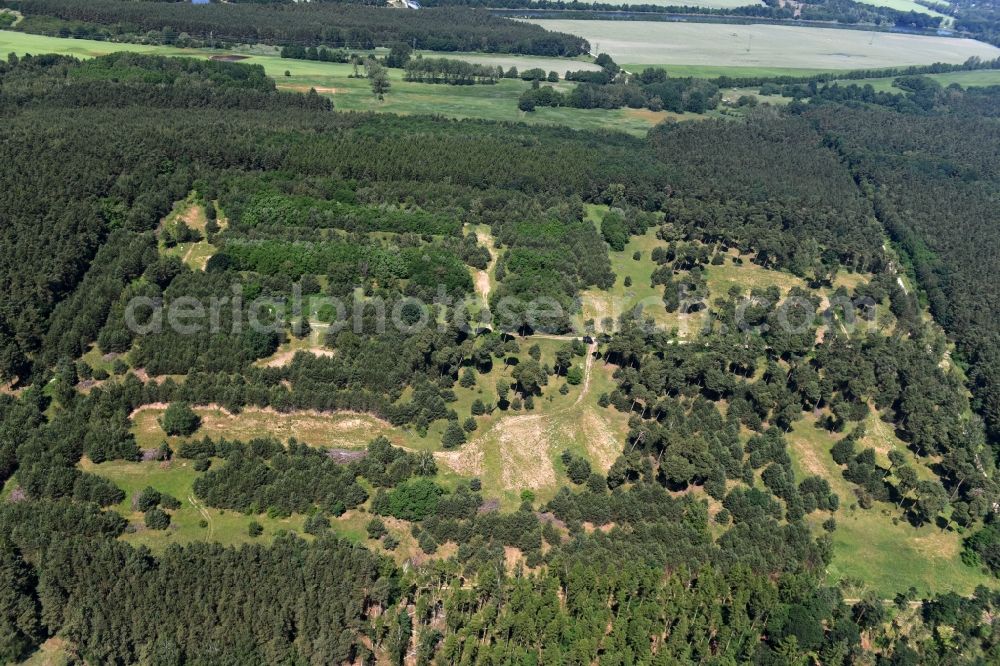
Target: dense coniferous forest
313	24
627	566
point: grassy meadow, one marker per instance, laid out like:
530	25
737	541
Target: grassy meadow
487	102
877	545
514	450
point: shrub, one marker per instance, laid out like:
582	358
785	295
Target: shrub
180	419
148	499
376	529
427	543
316	524
157	519
453	436
170	502
255	529
412	500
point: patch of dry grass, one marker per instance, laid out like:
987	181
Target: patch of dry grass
323	429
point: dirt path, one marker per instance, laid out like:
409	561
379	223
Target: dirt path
282	359
587	367
204	514
18	16
187	255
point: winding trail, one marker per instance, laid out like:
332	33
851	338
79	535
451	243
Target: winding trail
587	367
204	514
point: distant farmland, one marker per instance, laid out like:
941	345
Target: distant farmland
710	4
748	46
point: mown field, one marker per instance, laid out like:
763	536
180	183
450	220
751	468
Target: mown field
663	43
488	102
903	6
708	4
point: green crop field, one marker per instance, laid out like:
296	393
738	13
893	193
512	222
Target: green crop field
488	102
757	46
984	77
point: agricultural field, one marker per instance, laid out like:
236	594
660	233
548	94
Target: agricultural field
663	43
487	102
521	62
715	71
708	4
904	6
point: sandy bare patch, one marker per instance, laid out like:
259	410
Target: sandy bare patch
512	557
523	455
346	430
144	377
940	545
281	359
808	456
602	445
194	217
467	460
323	90
483	286
482	278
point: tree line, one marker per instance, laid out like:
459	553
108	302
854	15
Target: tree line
308	25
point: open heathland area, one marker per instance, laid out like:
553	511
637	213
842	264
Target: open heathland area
317	365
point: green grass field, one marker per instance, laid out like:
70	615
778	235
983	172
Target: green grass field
176	478
765	46
983	77
488	102
889	555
